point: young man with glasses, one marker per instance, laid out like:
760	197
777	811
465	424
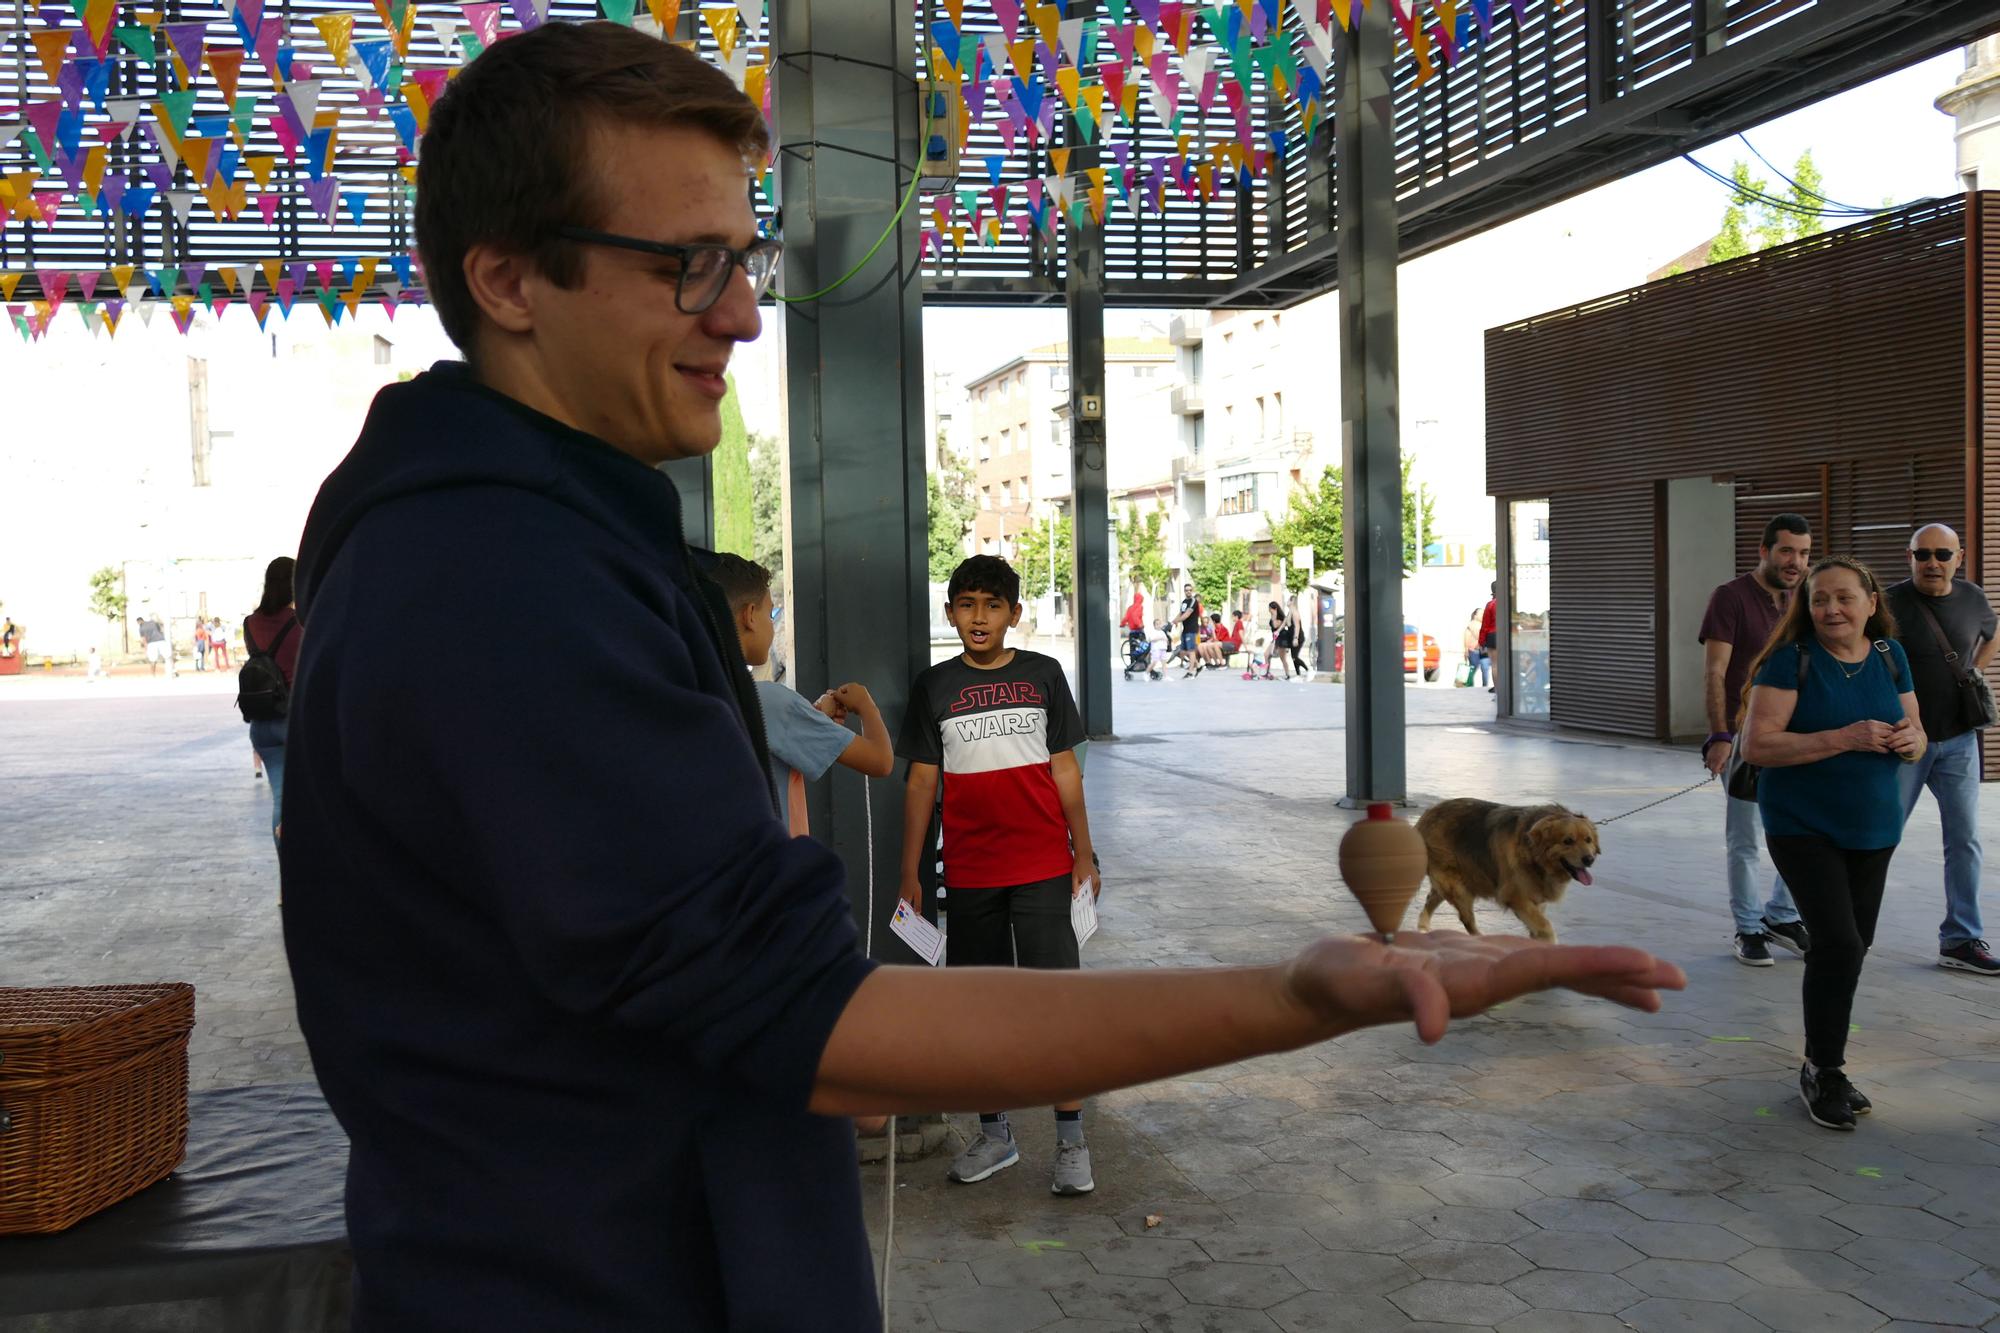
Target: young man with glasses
590	1017
1946	625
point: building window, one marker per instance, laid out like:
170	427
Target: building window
1007	441
1228	427
383	351
1200	432
1263	419
1278	415
1194	363
986	497
985	448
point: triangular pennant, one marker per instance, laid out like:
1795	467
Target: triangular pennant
50	48
337	31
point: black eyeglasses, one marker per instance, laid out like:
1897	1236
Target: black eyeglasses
1941	554
705	269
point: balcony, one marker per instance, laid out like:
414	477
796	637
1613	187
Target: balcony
1186	400
1186	329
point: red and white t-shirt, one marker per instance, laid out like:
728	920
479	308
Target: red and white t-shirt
991	733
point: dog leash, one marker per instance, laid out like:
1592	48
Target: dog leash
1662	801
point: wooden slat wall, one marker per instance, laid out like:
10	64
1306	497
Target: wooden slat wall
1827	377
1982	418
1602	667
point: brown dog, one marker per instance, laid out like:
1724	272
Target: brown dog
1520	856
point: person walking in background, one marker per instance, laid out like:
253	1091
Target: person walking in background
1740	617
1478	662
1831	719
200	644
1946	625
218	644
155	640
271	638
1489	634
1298	640
1280	651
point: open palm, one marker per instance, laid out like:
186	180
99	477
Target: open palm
1351	982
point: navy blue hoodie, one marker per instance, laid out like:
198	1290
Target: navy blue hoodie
564	977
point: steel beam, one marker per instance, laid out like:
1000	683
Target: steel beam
847	116
691	479
1090	607
1371	451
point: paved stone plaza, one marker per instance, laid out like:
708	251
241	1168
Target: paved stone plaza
1559	1167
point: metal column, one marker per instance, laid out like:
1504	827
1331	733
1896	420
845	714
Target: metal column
691	478
847	122
1090	607
1369	429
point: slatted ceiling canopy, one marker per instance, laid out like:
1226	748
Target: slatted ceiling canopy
1554	99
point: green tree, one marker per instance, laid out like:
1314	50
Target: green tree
1419	518
1217	570
1142	548
1488	560
1314	519
1032	558
767	506
729	478
1759	217
105	599
949	493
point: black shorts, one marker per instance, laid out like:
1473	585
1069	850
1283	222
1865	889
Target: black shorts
1025	925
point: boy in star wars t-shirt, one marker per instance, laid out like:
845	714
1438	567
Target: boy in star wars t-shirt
998	728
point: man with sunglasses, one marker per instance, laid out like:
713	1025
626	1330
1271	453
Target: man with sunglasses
591	1019
1946	625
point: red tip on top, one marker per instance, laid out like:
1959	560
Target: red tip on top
1381	810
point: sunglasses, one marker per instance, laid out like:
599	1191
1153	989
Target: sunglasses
705	269
1943	555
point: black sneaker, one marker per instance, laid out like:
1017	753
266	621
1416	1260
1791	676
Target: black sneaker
1826	1094
1788	935
1857	1101
1751	950
1972	956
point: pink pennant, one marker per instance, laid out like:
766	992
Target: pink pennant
1009	14
267	204
42	117
54	282
484	20
86	283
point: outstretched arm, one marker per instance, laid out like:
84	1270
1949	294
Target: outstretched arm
966	1038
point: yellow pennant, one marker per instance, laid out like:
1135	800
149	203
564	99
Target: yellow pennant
229	277
273	270
958	236
753	83
8	282
420	106
1094	95
1142	44
196	152
1204	176
722	22
97	17
183	305
261	167
1181	33
401	36
49	47
167	135
1070	82
352	301
1048	23
664	12
93	169
1060	158
364	274
1023	56
121	274
956	10
409	173
337	31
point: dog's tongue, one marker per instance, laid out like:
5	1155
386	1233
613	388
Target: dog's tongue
1582	876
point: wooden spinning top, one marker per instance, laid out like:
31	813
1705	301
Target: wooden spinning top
1383	860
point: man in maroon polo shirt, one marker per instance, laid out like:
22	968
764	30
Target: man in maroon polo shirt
1741	615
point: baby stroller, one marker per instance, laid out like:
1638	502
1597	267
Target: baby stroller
1139	655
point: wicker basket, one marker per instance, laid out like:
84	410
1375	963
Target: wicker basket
93	1098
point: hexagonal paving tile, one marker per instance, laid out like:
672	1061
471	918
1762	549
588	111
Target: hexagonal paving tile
1393	1169
907	1318
1249	1286
1811	1311
1770	1196
1789	1231
1145	1256
1275	1208
1800	1269
1498	1161
1925	1300
1911	1258
1981	1243
1186	1221
1902	1223
1074	1230
1585	1293
925	1279
1207	1319
1380	1199
1353	1271
1683	1240
1496	1225
1562	1321
1385	1235
1334	1312
1115	1296
1966	1209
1577	1215
1577	1251
1466	1261
1032	1268
1687	1280
994	1310
1259	1245
1586	1182
1665	1315
1657	1205
1458	1302
1477	1191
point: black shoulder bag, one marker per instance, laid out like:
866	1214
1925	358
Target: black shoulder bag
1975	696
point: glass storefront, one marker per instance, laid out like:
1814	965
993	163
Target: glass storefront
1528	523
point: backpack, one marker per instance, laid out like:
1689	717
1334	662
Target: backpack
261	692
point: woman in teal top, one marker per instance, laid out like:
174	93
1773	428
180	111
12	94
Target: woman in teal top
1829	718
